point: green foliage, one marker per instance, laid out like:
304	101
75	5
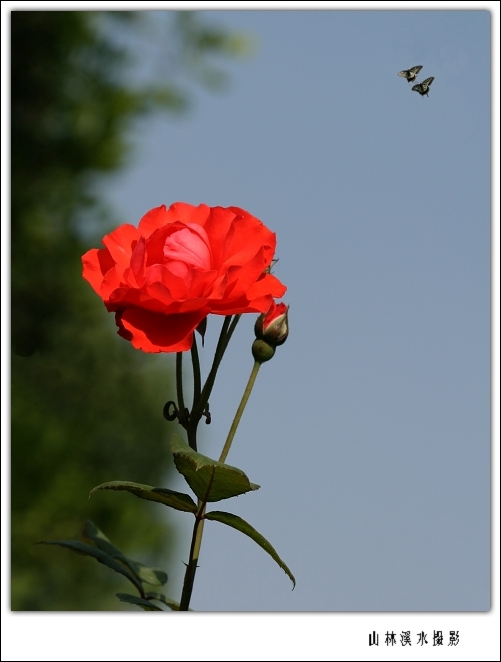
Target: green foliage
154	595
140	602
244	527
197	40
110	556
102	557
176	500
153	576
210	480
86	407
86	411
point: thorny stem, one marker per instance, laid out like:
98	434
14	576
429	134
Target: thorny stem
191	568
199	405
196	542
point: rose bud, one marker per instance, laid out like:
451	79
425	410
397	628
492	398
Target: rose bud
273	326
261	351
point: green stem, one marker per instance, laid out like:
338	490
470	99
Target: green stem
227	337
179	388
191	426
191	568
224	338
197	387
240	410
220	341
196	542
199	404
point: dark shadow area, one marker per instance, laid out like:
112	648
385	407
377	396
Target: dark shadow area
86	407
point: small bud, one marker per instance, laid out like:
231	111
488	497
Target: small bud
261	351
273	327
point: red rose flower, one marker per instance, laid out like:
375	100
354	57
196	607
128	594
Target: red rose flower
164	277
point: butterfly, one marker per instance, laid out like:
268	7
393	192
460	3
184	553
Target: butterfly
424	87
410	74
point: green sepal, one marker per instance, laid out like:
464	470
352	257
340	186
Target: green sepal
99	555
244	527
140	602
176	500
209	479
144	573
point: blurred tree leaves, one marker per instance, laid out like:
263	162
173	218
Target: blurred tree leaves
86	407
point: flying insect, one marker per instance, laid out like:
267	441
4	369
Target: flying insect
424	87
410	74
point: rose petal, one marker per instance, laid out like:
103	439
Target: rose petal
248	235
152	332
243	277
120	244
268	284
217	227
158	273
156	218
189	213
243	305
179	211
96	263
188	245
138	262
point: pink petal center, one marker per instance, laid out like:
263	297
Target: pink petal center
187	248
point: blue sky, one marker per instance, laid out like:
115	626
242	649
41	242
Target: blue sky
370	430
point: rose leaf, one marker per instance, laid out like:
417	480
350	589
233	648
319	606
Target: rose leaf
209	479
176	500
244	527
